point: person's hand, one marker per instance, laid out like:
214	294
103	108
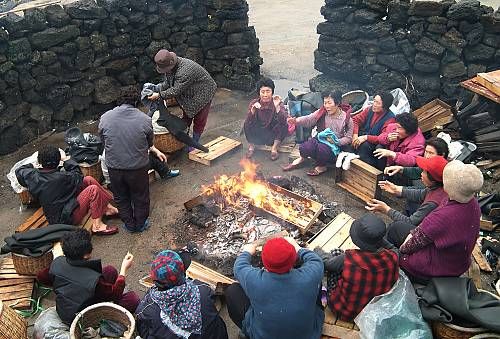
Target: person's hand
291	120
293	242
160	155
356	142
393	170
390	187
250	248
126	263
255	107
380	153
377	206
154	96
277	101
393	136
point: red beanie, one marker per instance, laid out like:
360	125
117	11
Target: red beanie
434	166
278	255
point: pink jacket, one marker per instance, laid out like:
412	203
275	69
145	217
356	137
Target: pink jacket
406	150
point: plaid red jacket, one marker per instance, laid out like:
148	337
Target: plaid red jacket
365	275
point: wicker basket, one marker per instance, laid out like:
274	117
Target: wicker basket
167	143
451	331
25	197
94	170
92	315
25	265
12	325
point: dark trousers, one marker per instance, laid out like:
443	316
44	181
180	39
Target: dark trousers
159	166
365	152
237	303
398	231
131	193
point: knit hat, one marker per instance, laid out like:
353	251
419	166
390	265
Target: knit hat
434	166
461	181
167	269
368	232
278	255
165	61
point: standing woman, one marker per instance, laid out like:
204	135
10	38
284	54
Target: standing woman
329	118
266	120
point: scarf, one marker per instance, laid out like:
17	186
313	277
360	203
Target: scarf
180	308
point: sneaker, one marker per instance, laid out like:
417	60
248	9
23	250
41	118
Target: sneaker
171	174
129	229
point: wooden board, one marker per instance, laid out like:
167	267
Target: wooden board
285	148
336	328
480	89
14	287
486	224
480	259
433	114
361	180
216	149
334	235
490	80
38	220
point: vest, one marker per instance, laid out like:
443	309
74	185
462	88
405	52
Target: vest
74	285
376	129
437	196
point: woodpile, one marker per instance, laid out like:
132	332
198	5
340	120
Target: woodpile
434	114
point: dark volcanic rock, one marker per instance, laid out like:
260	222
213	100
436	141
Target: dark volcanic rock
19	50
478	52
454	70
56	16
53	36
426	8
337	30
429	46
397	62
85	9
469	10
426	63
106	91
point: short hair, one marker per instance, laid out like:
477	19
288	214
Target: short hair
435	182
49	157
265	82
76	244
408	121
440	145
128	95
387	100
335	95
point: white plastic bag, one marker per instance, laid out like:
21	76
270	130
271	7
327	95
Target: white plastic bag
50	326
400	103
394	314
16	186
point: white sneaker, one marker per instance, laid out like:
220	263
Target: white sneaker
340	158
347	161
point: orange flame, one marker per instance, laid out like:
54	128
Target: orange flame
257	192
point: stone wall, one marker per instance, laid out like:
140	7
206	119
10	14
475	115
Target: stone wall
425	47
61	64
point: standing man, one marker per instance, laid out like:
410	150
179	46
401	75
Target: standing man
190	84
128	135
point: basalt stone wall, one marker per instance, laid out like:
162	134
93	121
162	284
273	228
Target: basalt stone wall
61	64
425	47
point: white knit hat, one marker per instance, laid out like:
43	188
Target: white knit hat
461	181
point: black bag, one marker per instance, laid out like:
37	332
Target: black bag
301	104
83	148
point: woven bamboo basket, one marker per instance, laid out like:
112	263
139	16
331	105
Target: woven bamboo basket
92	315
167	143
171	101
25	265
12	325
25	197
94	170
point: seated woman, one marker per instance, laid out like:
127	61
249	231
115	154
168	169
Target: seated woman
176	307
79	281
369	124
266	120
428	198
442	244
65	195
358	275
329	118
433	147
401	142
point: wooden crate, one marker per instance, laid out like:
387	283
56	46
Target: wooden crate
14	288
476	87
361	179
334	235
490	80
333	327
433	114
216	148
38	220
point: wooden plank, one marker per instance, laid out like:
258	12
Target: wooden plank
356	192
335	331
217	148
13	282
325	235
490	80
5	290
493	164
32	219
348	245
26	293
285	148
474	273
480	259
480	89
339	237
486	224
345	324
330	317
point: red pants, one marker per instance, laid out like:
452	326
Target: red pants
199	120
128	300
92	197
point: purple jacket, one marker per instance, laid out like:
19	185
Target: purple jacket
407	150
453	229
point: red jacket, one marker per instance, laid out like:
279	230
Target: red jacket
407	150
360	119
365	275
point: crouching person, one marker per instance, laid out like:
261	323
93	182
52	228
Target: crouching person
358	275
79	281
176	307
278	301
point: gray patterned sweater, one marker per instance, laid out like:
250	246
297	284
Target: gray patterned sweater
190	84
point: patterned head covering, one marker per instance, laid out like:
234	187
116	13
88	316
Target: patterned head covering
168	269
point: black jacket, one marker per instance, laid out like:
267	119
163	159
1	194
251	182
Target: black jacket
74	285
150	326
56	190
